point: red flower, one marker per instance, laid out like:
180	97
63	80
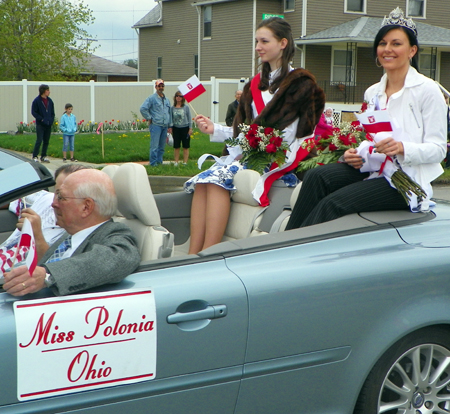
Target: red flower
332	147
268	131
253	141
277	141
357	125
21	123
271	148
253	128
82	120
364	106
347	139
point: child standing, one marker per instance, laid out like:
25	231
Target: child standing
68	126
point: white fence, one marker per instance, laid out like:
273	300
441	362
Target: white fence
105	101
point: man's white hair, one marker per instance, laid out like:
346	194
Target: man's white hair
105	201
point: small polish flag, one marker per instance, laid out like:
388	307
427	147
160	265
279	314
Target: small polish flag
27	243
191	89
375	121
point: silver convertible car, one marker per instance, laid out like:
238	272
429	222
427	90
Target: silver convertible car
350	316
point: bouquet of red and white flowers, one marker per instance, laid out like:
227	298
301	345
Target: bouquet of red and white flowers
261	146
331	147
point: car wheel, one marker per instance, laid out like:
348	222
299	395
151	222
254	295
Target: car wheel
413	376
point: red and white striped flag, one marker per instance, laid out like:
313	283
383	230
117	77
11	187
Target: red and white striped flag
27	243
192	88
375	121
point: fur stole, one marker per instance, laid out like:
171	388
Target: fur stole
298	96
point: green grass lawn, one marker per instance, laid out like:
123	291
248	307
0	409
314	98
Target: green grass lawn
128	146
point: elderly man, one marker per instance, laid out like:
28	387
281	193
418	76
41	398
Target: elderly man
93	251
157	110
232	108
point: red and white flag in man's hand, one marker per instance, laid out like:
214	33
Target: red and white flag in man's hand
27	243
192	88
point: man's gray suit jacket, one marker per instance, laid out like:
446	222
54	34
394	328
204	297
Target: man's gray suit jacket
107	255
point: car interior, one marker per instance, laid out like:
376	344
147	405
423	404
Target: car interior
161	222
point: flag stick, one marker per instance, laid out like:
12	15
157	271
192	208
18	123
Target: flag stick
195	112
103	145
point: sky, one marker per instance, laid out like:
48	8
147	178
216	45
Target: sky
117	41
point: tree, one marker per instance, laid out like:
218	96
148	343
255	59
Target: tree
43	39
132	63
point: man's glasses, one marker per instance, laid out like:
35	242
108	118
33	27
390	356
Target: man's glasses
178	96
63	198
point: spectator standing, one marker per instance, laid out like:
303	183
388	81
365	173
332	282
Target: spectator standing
232	108
68	126
181	131
157	110
43	111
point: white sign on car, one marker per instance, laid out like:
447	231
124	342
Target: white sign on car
84	342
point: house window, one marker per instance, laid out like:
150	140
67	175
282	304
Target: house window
159	67
102	78
207	19
355	6
289	5
196	65
427	64
342	59
416	8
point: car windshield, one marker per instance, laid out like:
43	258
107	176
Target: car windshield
18	175
14	173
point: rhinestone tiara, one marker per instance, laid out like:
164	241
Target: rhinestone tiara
397	17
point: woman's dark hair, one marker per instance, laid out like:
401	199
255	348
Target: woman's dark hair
67	106
183	100
281	29
411	37
43	88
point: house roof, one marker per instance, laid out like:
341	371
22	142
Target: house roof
152	18
97	65
364	30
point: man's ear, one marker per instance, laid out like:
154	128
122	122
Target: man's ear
88	207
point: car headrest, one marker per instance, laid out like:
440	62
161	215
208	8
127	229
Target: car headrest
245	182
110	170
134	194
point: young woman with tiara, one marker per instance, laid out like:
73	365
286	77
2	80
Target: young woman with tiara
416	107
280	96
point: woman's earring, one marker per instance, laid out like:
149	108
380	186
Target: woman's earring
379	65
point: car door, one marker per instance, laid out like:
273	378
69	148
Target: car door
201	329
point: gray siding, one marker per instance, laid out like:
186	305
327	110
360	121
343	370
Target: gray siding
179	22
229	53
438	13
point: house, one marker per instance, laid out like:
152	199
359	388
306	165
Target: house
215	38
103	70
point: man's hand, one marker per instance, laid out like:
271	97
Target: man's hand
18	281
169	130
33	217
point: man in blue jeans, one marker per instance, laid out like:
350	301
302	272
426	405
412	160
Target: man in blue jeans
43	111
157	111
